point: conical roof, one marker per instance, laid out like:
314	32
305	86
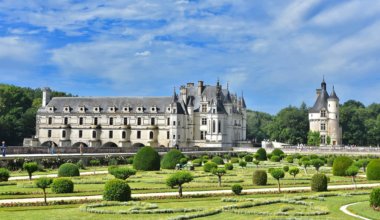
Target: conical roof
333	94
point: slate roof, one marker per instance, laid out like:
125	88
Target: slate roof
333	95
321	102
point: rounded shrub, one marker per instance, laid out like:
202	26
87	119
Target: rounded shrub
234	160
122	172
236	189
229	166
373	170
340	165
183	161
218	160
171	159
4	174
319	183
117	190
197	162
261	154
68	170
289	159
146	159
278	152
248	158
242	163
285	168
62	185
207	167
374	198
260	178
275	158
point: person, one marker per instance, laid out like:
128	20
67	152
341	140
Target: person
81	149
3	148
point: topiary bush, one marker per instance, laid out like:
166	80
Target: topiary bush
218	160
146	159
374	198
278	152
122	172
234	160
62	185
248	158
229	166
183	161
373	170
30	167
285	168
68	170
117	190
260	178
236	189
242	164
319	183
340	165
197	162
289	159
275	158
261	154
207	167
4	174
171	159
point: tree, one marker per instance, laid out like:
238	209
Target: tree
219	172
178	179
256	123
294	171
352	171
278	174
30	167
43	183
305	162
256	162
317	163
314	138
94	163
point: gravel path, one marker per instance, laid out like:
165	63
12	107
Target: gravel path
345	210
54	175
169	194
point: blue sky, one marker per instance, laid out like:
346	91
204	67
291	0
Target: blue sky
275	51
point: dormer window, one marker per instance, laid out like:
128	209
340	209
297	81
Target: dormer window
125	109
323	113
168	109
51	109
81	109
66	109
140	109
112	109
153	109
96	109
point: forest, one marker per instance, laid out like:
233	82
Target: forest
360	123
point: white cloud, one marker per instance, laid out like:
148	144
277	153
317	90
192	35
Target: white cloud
143	53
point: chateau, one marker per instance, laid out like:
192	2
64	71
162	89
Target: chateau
324	116
200	115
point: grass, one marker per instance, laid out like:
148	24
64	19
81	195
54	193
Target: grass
364	210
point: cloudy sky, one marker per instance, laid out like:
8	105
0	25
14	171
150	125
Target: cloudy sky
275	51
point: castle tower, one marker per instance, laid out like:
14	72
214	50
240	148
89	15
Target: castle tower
333	118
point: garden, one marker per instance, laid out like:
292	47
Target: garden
178	186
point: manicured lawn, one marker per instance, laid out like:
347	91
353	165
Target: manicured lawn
364	210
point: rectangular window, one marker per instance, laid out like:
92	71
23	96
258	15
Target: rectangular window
125	121
65	121
93	134
323	127
110	134
50	120
49	133
219	126
123	135
323	113
204	121
179	123
95	121
63	134
80	133
173	136
111	121
138	134
168	121
152	121
168	135
173	123
138	121
213	126
204	108
202	135
323	139
81	121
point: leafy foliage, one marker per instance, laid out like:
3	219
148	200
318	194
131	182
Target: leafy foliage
374	199
122	173
229	166
30	167
313	138
218	160
147	159
4	174
236	189
178	179
261	154
278	173
373	170
317	163
219	172
207	167
256	125
171	159
248	158
340	165
319	182
260	178
68	170
43	183
117	190
62	185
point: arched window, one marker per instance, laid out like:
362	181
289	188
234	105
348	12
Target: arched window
151	135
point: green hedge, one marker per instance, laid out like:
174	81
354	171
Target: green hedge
4	174
236	189
373	170
248	158
62	185
261	154
207	167
229	166
146	159
117	190
197	162
68	170
374	199
260	178
340	165
278	152
171	159
218	160
234	160
275	158
319	183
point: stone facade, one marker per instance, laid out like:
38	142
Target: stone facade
202	115
324	116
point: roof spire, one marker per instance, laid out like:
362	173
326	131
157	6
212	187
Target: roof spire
175	97
323	84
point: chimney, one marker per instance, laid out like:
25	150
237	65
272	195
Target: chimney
190	85
183	93
46	96
319	92
200	87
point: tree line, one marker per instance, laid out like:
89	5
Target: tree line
360	123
